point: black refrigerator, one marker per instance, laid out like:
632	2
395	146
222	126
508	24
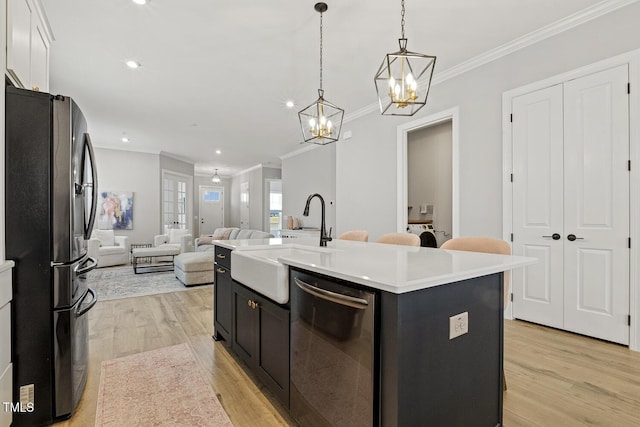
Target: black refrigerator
50	210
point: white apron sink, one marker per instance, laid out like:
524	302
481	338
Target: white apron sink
260	270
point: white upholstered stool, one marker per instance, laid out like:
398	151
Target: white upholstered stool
194	268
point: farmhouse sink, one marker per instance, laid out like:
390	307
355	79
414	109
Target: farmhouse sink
260	270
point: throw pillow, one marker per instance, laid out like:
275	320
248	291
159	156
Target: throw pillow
106	237
221	234
205	240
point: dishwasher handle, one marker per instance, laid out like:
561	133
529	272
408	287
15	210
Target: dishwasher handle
342	299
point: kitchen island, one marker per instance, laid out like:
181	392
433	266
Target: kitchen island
434	333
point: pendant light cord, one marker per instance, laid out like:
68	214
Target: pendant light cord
321	50
401	21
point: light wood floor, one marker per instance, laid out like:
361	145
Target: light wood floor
554	378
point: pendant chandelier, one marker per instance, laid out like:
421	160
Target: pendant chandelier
216	178
321	121
403	79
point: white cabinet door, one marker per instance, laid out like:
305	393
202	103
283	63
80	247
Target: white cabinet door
538	205
571	180
39	58
19	41
596	188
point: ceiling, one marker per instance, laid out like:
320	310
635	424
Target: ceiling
215	75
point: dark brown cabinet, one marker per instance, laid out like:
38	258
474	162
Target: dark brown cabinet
222	300
261	338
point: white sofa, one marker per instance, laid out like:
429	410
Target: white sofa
177	238
204	242
107	248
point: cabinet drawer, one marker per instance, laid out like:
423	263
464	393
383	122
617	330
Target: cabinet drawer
223	257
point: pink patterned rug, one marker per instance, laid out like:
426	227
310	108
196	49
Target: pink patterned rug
163	387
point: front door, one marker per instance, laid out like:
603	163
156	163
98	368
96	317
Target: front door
211	209
571	205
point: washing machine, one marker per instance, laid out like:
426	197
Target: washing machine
426	232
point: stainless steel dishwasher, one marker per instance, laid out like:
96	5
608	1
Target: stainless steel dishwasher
333	352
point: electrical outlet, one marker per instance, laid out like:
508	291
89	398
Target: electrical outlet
458	325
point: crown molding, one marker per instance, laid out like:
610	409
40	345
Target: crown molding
307	147
129	149
252	168
176	157
557	27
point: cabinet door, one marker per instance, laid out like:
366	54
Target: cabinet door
39	59
222	303
19	41
245	325
273	355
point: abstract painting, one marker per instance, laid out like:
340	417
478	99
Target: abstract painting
115	210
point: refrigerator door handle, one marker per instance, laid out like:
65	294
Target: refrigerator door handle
93	184
92	263
94	300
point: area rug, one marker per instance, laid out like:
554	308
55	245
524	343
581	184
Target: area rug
121	282
163	387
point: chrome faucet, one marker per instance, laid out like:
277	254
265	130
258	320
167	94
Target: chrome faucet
324	237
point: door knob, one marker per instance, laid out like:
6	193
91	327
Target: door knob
572	237
554	236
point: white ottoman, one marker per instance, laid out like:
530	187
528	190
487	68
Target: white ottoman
194	268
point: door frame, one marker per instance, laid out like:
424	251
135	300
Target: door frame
451	114
633	60
215	187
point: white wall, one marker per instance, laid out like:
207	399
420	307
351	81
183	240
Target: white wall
429	152
310	171
366	163
137	172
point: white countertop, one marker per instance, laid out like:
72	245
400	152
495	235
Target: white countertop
392	268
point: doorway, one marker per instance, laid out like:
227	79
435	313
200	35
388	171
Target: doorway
245	213
211	208
429	180
425	206
274	187
176	203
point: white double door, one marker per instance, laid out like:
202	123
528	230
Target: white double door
571	205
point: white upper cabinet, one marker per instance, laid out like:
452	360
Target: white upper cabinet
28	41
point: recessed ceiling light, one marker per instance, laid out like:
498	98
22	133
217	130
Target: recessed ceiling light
125	139
290	104
218	152
133	64
140	1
